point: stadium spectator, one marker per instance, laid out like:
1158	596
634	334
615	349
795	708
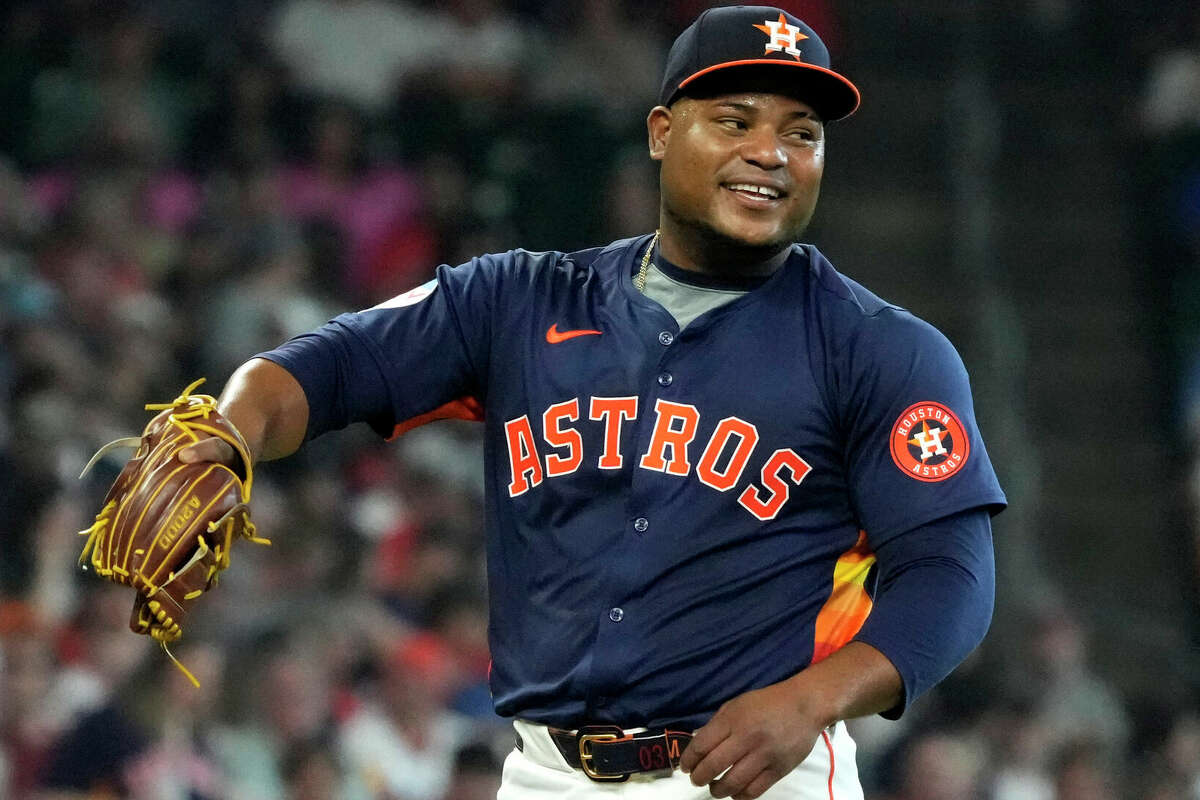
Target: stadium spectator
402	742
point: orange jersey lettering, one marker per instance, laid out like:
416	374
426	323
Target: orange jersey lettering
674	430
612	411
557	437
776	487
523	457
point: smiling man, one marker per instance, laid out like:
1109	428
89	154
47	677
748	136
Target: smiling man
734	498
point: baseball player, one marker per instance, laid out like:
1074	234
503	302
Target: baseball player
734	498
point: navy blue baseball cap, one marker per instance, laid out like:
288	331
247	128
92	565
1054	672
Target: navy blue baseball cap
759	37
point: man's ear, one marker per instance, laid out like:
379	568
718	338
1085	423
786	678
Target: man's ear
658	128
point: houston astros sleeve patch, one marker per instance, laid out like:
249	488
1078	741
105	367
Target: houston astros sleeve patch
929	443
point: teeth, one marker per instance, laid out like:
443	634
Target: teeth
765	191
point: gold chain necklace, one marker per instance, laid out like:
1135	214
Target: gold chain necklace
639	280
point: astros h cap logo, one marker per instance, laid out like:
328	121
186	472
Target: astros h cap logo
782	35
745	37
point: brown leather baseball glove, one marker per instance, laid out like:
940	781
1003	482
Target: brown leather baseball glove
166	527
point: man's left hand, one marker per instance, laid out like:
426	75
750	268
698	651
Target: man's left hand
754	739
758	737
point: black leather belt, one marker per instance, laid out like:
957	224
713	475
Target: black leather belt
607	753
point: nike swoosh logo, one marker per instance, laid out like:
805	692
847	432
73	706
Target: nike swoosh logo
554	335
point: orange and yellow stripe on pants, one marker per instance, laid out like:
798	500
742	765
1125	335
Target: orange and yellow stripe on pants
849	604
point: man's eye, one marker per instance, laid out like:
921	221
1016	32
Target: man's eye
803	135
732	123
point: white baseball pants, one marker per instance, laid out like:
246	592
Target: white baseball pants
539	772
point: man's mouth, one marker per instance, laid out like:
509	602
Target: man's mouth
755	191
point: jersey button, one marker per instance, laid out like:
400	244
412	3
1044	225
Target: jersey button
616	614
665	338
665	379
641	524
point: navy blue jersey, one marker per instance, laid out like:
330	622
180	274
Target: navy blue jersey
673	517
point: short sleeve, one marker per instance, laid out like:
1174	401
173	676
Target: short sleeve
914	452
419	356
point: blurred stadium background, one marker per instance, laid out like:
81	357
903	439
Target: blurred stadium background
186	182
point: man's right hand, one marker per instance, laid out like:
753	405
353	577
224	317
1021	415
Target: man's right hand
210	449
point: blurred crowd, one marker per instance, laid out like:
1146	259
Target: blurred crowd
187	182
1169	231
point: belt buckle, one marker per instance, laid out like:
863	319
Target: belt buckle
598	733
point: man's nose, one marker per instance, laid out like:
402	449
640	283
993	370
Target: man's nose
762	148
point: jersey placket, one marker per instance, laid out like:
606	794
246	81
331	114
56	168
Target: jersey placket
618	645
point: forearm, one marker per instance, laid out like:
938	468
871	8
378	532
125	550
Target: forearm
855	681
268	407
